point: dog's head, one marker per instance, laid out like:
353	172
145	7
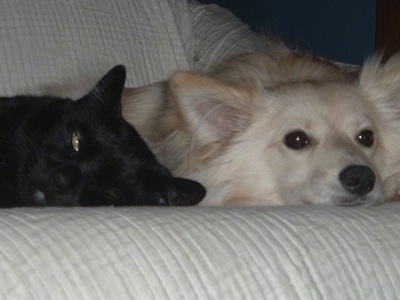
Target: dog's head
61	152
305	141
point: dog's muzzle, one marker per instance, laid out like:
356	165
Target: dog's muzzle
357	179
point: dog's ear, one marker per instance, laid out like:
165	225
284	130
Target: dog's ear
381	83
181	192
209	108
108	90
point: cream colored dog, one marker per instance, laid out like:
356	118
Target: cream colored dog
277	128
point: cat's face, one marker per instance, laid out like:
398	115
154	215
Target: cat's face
70	153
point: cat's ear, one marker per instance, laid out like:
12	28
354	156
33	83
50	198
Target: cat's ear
109	89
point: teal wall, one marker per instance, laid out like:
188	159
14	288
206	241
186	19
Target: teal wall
342	30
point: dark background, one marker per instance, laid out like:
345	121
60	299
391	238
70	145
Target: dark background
343	30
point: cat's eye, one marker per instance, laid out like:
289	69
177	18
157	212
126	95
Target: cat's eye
365	137
75	140
297	140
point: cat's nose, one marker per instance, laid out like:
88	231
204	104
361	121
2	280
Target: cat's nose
66	177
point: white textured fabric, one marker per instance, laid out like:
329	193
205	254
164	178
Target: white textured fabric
46	43
63	47
304	252
218	35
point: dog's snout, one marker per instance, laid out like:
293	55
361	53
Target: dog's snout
358	180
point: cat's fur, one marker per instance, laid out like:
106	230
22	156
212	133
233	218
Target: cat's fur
59	152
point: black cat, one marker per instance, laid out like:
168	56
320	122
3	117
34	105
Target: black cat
59	152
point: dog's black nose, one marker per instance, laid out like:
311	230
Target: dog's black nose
358	180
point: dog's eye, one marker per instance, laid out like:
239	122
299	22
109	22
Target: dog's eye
365	138
75	140
297	140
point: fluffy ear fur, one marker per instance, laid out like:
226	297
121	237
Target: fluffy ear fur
381	82
211	109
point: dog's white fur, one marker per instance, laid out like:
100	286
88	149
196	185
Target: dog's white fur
227	129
